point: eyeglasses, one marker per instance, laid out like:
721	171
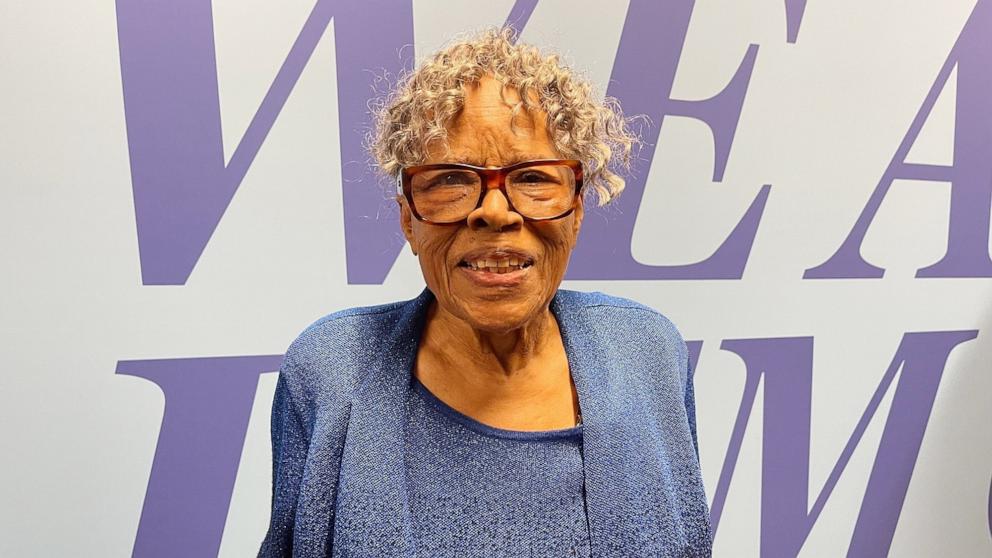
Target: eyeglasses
447	193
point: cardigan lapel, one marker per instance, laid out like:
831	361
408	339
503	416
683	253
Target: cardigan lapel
372	496
629	496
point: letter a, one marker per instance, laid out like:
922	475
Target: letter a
970	175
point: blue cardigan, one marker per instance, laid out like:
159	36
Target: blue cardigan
338	430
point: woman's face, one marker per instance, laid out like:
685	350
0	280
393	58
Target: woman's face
495	302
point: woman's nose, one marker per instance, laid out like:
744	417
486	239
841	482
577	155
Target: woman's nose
494	214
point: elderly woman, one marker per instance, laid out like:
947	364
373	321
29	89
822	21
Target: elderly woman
494	414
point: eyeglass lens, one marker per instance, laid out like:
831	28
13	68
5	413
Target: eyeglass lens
450	194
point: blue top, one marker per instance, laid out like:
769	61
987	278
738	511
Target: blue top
339	425
480	491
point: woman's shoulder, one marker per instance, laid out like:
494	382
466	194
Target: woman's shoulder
637	336
611	311
348	329
331	353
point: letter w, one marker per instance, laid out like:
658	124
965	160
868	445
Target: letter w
787	367
169	73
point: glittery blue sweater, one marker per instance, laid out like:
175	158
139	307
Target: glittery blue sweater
477	491
340	419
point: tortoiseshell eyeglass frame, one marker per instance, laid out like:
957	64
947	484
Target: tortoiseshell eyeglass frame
491	178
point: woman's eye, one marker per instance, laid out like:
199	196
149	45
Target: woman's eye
451	179
533	178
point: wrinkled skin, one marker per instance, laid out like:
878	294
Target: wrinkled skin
495	352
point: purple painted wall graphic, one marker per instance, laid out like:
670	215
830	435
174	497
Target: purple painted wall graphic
794	10
182	186
786	364
520	14
207	405
180	182
970	175
643	84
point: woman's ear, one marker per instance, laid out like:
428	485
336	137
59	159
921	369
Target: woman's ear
578	214
406	223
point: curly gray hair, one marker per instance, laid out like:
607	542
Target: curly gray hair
426	100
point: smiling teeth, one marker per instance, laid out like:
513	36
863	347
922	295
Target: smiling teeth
504	265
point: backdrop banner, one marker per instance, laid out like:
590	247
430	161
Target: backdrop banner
186	187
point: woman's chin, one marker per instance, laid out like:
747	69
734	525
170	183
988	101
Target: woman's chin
498	317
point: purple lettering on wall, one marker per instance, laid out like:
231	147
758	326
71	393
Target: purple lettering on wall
787	367
642	78
180	183
694	347
208	403
970	175
520	13
371	244
794	10
182	187
792	361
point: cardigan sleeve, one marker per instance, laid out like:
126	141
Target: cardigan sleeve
289	451
690	405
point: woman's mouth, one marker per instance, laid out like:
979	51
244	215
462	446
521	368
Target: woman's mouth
496	269
502	265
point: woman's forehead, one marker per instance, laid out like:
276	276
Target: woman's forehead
492	148
474	157
493	129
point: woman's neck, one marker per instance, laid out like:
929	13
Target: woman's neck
501	353
518	380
